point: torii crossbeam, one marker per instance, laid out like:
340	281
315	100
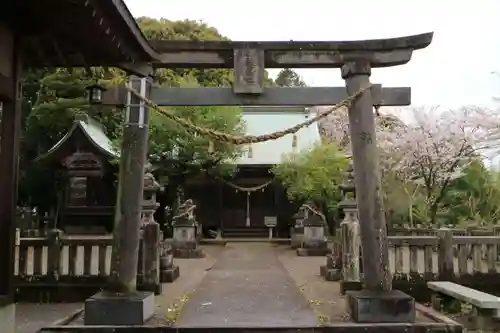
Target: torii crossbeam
310	96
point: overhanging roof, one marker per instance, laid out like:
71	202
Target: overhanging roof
77	33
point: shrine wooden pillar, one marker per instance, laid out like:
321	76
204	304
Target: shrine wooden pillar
10	130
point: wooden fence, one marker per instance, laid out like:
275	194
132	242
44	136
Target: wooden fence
71	268
473	230
444	254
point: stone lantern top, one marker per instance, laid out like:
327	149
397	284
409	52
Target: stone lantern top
150	183
349	187
349	190
149	203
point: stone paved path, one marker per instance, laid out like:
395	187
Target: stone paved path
31	317
247	287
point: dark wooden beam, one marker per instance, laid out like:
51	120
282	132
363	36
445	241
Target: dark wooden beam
36	47
140	69
134	29
292	54
7	91
83	62
105	29
110	30
274	96
9	174
61	55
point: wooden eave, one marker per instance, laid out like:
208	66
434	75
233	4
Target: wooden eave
77	33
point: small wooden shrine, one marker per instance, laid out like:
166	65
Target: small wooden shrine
84	156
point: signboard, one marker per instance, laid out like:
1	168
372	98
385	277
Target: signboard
270	221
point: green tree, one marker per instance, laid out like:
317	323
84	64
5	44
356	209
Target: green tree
289	78
473	198
55	96
315	175
178	153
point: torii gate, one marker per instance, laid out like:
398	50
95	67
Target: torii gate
356	59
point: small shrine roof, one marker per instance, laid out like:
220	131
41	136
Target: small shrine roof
94	132
263	120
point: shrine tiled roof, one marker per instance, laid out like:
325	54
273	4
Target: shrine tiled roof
263	120
94	131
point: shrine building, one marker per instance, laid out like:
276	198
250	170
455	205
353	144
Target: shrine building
240	206
85	157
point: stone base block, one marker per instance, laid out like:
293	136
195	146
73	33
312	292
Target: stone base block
296	241
315	244
187	245
152	287
312	252
346	286
294	244
380	307
169	275
117	309
189	253
8	317
330	274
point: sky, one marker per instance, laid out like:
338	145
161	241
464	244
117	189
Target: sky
456	69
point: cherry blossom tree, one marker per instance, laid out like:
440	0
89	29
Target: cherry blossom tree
436	148
429	152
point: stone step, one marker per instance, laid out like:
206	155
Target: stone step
245	232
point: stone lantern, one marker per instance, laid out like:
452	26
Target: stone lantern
185	241
314	242
350	236
297	231
149	204
333	271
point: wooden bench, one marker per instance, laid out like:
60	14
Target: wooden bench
485	306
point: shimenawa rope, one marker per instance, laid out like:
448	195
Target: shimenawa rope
246	139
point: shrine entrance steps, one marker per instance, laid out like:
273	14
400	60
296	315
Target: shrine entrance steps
247	287
245	232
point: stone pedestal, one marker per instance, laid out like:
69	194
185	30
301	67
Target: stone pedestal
332	270
8	318
314	242
117	309
296	237
297	231
350	285
185	244
380	307
168	271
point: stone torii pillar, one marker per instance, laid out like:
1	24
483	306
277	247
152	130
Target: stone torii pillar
377	302
367	178
121	303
